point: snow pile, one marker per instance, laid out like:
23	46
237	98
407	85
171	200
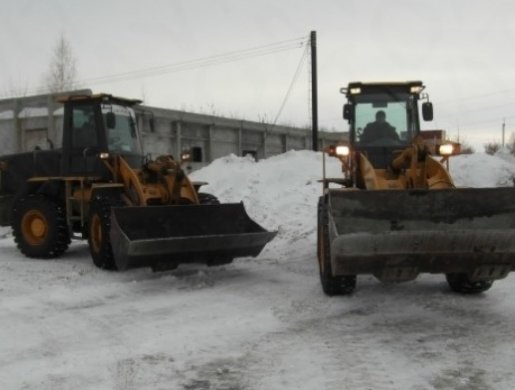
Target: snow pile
482	170
32	112
9	114
280	193
5	232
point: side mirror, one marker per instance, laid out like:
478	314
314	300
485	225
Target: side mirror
110	120
427	111
348	110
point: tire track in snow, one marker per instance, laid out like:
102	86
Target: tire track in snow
316	355
319	345
472	339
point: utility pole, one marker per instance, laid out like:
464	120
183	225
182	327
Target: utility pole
503	127
314	90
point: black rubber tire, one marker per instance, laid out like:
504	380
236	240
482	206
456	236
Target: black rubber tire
99	225
331	285
39	227
205	198
462	284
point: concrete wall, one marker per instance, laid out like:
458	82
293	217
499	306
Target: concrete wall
31	122
36	122
8	133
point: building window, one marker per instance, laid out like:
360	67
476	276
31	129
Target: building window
196	154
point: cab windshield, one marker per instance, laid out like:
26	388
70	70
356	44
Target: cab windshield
122	136
382	119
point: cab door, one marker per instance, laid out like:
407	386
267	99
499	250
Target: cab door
82	140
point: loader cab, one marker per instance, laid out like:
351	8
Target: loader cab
94	125
383	117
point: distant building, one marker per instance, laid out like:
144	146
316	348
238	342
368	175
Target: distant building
35	122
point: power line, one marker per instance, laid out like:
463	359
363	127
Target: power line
480	109
472	97
204	61
292	83
232	56
485	122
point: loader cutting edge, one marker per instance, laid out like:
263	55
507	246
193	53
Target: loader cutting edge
396	235
165	236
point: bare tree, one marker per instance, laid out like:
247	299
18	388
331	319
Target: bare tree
62	74
14	88
492	147
466	148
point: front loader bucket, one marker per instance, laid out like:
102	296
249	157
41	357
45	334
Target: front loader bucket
396	235
164	236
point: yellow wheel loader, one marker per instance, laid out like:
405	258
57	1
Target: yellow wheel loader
396	213
134	211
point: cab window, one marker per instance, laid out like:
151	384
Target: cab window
121	133
84	132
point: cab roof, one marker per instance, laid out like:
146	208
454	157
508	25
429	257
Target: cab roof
358	84
415	87
101	97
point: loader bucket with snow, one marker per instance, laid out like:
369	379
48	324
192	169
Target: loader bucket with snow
395	235
161	237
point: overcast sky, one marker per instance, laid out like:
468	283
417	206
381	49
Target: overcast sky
462	50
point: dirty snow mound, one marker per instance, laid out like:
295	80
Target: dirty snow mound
482	170
280	193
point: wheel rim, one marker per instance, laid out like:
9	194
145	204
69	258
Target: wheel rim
96	233
34	227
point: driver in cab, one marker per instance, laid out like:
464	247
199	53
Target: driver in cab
380	129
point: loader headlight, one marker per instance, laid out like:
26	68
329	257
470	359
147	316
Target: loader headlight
446	149
103	156
186	156
337	151
342	150
416	89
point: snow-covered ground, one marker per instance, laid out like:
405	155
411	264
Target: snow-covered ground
259	323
